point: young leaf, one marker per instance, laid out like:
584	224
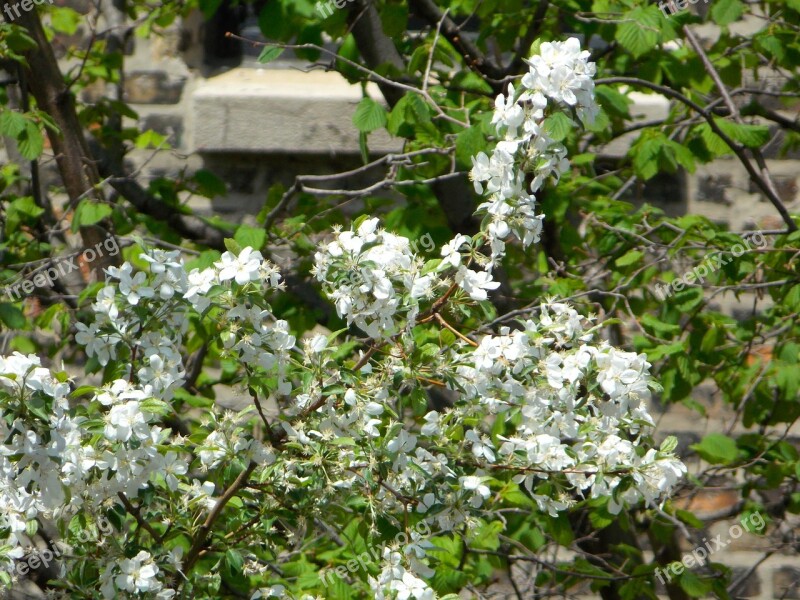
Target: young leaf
89	212
639	32
12	316
725	12
716	449
255	237
752	136
269	54
558	125
31	141
12	123
369	116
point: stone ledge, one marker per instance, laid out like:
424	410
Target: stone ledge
282	111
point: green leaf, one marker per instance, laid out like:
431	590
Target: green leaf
752	136
82	391
688	299
669	444
234	561
561	530
151	139
711	338
663	350
682	155
12	123
30	142
155	406
613	102
716	449
232	246
630	257
343	441
689	518
12	316
693	585
713	143
210	185
209	7
470	82
469	143
31	527
410	110
369	116
65	20
658	326
89	212
22	210
770	44
646	152
255	237
725	12
639	33
558	125
269	53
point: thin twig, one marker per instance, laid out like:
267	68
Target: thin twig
134	511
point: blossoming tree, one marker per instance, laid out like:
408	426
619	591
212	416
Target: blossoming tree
417	422
545	414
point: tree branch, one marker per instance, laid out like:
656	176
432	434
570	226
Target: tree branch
134	511
765	181
738	149
474	58
76	166
205	528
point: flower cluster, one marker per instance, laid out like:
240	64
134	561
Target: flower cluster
562	73
59	472
115	447
373	278
560	76
573	400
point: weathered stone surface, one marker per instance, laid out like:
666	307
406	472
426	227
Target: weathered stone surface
709	503
786	186
711	188
786	583
252	110
750	587
153	87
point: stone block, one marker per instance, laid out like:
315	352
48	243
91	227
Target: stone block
711	188
740	535
750	587
707	504
786	187
153	87
786	583
280	111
